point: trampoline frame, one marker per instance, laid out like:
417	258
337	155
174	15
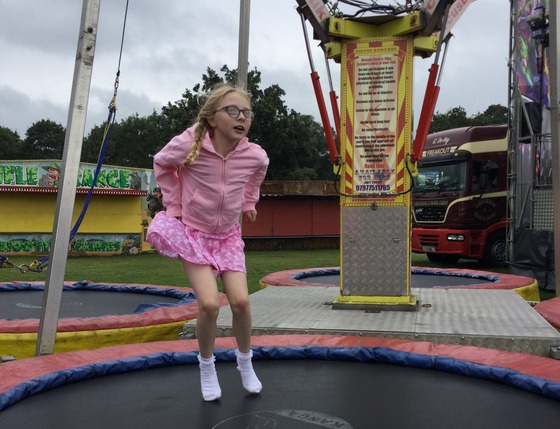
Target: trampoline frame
526	287
18	337
22	378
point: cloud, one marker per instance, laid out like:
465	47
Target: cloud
20	111
168	46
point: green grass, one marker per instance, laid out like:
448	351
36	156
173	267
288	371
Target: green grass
151	268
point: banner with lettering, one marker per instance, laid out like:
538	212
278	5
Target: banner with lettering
376	126
82	244
46	174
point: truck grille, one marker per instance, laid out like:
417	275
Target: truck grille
429	214
429	240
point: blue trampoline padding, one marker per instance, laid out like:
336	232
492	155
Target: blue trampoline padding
316	273
470	275
426	271
183	297
509	377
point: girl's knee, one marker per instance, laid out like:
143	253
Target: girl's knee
209	308
240	306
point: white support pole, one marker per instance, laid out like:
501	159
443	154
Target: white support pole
554	54
67	186
243	54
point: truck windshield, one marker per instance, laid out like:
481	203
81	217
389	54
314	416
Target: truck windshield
439	177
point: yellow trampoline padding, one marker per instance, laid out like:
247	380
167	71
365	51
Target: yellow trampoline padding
529	292
23	345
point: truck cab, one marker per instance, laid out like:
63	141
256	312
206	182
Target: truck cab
459	197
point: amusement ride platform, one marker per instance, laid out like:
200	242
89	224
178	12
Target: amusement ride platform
497	319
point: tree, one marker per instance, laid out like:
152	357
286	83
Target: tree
455	117
137	139
10	144
44	140
92	144
132	142
495	114
295	143
297	149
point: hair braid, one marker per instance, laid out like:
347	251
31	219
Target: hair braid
199	132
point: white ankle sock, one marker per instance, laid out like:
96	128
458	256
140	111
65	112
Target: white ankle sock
209	379
249	379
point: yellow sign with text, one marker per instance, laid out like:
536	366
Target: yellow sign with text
376	133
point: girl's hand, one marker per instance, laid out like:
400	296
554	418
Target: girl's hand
251	215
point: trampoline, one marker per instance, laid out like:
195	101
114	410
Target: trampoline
550	311
94	315
420	278
310	381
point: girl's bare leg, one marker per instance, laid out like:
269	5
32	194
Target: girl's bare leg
203	282
235	286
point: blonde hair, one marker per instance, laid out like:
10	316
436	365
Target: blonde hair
207	112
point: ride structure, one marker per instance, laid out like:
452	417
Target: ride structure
533	152
378	160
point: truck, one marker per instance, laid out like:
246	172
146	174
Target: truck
459	197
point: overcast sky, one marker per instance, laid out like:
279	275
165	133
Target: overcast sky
169	44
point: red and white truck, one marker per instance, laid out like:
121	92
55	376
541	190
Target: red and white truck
460	196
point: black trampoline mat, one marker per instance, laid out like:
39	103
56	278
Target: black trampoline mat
433	280
418	280
297	394
26	304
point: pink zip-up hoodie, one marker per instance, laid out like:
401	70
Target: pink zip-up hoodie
211	192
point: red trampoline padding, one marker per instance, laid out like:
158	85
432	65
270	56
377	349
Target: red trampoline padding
18	371
488	280
550	311
155	316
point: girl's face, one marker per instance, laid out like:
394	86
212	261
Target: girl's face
228	126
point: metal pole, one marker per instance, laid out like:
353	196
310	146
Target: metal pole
243	54
553	55
67	186
512	212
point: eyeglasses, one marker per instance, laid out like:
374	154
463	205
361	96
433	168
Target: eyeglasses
234	112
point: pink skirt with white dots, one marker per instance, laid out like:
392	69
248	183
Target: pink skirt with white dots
173	239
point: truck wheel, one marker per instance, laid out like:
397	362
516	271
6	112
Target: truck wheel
495	250
439	258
